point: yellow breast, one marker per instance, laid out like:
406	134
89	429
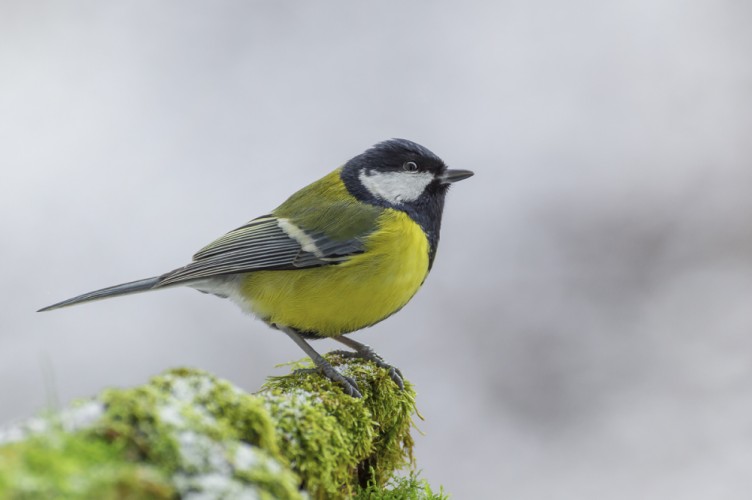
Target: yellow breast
342	298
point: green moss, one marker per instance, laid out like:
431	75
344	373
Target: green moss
131	423
232	413
334	441
391	412
400	488
59	465
141	419
189	432
270	480
191	423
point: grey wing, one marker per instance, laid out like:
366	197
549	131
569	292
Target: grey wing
265	243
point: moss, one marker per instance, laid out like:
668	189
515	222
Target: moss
334	441
131	423
400	488
187	432
271	480
59	465
193	425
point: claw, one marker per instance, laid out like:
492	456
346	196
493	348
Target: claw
348	384
364	351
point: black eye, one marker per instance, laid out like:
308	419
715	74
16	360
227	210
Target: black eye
410	166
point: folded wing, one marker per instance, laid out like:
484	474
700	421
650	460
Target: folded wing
265	243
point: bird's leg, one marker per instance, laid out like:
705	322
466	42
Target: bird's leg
348	384
366	352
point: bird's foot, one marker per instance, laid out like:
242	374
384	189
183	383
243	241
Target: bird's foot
364	351
322	365
347	384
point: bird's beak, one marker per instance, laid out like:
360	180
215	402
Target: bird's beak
455	175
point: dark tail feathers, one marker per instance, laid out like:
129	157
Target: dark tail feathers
112	291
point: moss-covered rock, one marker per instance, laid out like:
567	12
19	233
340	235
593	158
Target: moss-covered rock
337	442
188	433
59	465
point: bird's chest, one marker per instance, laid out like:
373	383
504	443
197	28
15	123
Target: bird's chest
337	299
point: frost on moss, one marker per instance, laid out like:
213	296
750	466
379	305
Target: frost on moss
187	434
59	465
335	441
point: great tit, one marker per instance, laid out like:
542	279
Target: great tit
341	254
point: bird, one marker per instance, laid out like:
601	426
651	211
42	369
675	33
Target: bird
339	255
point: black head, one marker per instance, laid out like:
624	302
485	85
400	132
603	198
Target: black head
406	176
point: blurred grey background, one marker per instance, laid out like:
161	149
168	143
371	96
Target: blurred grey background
586	332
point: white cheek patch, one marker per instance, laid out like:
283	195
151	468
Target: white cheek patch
396	187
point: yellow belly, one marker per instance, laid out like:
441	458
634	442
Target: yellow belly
342	298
